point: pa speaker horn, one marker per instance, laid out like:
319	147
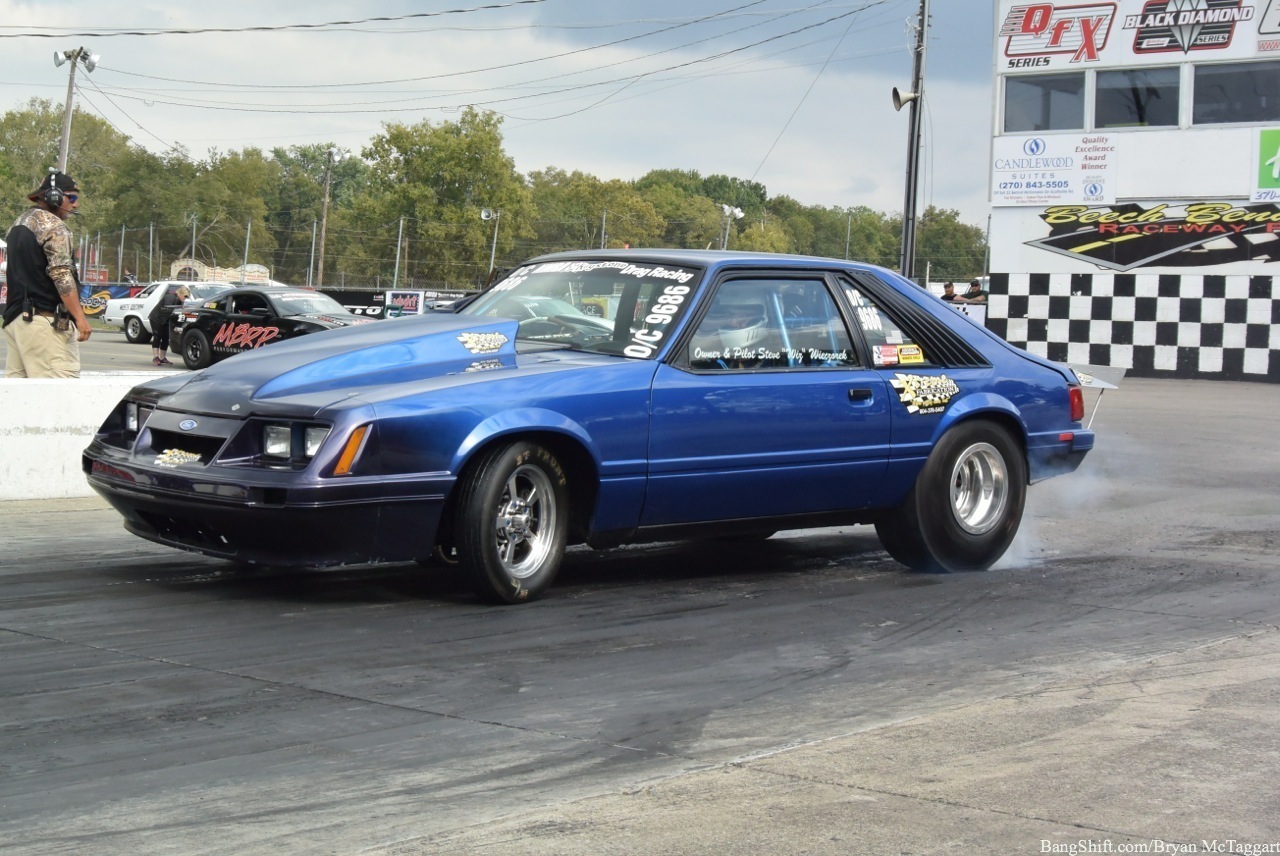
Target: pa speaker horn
900	98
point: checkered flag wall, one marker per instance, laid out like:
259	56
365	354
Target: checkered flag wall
1154	325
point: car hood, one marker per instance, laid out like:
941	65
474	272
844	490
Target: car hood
331	321
311	372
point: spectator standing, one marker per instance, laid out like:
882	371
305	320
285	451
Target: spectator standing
160	318
44	323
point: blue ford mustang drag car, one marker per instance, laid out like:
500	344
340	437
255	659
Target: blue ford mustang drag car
601	398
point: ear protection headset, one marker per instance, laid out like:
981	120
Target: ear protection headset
54	194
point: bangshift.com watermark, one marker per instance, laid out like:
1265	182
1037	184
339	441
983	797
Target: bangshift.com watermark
1106	845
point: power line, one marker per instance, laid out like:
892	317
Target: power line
812	84
105	33
452	74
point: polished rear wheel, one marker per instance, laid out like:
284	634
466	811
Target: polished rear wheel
966	505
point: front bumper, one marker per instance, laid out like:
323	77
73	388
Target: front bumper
268	517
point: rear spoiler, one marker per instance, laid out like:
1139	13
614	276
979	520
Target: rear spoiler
1101	378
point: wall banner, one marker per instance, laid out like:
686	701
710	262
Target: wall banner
1193	234
1057	36
1053	169
1268	189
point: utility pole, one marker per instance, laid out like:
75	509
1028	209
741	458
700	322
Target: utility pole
90	63
494	214
395	279
244	268
324	214
311	264
907	260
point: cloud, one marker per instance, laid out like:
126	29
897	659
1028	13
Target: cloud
689	95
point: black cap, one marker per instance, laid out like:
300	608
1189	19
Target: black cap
61	180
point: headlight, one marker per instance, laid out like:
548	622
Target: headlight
312	438
294	442
276	441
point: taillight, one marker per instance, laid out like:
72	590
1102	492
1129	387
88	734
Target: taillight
1077	403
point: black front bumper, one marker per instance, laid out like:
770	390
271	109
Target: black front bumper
263	519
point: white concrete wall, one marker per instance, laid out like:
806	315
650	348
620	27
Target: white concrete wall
46	424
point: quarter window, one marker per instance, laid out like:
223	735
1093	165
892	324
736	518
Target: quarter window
1044	102
890	345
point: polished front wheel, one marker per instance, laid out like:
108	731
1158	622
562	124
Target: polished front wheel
512	520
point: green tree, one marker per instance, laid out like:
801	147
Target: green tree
295	221
439	178
750	196
692	220
765	235
574	208
947	248
29	141
686	181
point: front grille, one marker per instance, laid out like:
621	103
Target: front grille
205	447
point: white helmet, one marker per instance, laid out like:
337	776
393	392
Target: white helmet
740	325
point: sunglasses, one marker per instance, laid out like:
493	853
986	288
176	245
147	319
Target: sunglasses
71	197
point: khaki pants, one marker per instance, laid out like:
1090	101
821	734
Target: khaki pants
36	349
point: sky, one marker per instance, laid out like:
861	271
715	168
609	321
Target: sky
793	94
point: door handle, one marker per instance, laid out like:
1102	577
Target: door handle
859	394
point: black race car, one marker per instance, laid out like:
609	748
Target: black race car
247	318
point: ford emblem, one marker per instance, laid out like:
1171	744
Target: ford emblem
187	424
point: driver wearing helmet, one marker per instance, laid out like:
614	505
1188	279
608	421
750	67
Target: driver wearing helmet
739	329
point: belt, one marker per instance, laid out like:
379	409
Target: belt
43	314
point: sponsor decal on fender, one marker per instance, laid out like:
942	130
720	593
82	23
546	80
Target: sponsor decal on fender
1124	237
1036	31
1166	26
243	336
482	343
924	394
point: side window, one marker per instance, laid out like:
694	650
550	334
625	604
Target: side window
889	345
245	303
756	324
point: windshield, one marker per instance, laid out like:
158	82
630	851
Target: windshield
607	307
307	303
206	290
